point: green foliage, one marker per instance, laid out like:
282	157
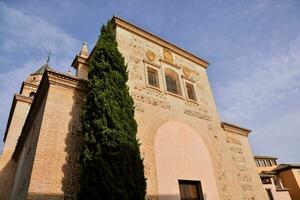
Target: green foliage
111	166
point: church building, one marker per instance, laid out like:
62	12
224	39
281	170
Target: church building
187	152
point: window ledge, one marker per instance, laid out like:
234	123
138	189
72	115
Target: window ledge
187	78
151	63
175	95
192	101
172	64
153	88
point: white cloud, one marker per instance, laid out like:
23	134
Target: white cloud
25	40
264	81
279	137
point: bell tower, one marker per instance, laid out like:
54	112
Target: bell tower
80	62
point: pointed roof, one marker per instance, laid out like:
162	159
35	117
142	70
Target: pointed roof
42	69
84	52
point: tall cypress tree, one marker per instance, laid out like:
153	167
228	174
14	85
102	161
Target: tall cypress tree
111	166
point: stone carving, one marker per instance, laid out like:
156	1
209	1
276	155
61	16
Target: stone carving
196	107
135	59
139	107
197	114
244	177
233	140
151	91
224	188
135	74
227	197
247	187
241	168
221	175
239	158
249	197
150	55
168	56
151	101
186	71
237	150
155	93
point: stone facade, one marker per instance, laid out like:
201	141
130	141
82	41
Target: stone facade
181	137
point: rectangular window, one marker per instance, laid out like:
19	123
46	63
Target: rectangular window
257	163
269	163
262	163
152	77
190	190
190	91
269	193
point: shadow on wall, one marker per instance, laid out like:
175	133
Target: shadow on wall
70	181
38	196
6	176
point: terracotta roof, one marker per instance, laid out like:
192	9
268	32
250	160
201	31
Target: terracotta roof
42	69
283	167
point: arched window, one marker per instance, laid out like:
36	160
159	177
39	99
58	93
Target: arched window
172	82
32	94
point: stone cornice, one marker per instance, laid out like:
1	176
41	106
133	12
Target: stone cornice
235	129
149	36
17	97
64	80
49	78
23	98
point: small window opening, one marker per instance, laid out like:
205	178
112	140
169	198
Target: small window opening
190	91
171	84
32	94
153	77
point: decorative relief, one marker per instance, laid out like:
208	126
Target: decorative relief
197	114
155	93
192	74
150	100
186	71
150	55
247	187
168	56
135	59
196	107
227	197
244	177
151	91
221	175
224	188
233	140
241	168
139	107
240	159
237	150
219	165
135	74
249	197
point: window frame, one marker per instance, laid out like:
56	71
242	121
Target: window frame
197	184
155	72
173	75
192	87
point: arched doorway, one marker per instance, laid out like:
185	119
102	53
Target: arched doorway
182	158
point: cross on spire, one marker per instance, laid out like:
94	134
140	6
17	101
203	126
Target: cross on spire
49	56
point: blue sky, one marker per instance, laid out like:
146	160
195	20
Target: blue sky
253	47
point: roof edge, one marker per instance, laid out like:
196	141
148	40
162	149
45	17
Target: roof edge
153	38
235	129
